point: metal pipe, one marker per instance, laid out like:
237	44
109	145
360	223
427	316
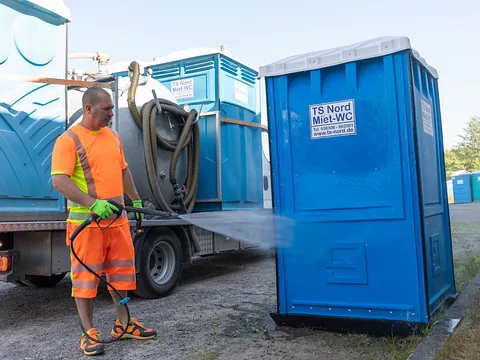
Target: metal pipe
86	55
100	58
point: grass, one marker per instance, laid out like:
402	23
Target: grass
396	348
463	344
466	268
462	229
400	348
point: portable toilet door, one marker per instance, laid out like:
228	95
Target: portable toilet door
462	187
476	185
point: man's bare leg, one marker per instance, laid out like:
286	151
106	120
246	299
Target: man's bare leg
85	311
122	315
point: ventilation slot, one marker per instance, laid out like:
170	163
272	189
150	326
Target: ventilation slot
249	76
198	65
229	67
167	71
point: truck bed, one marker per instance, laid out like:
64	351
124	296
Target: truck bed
15	226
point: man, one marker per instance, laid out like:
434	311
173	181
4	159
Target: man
88	167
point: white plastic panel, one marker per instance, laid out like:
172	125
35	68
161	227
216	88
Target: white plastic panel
195	52
380	46
56	7
44	9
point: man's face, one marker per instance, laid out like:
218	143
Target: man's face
101	112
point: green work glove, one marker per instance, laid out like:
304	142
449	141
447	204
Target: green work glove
103	208
138	204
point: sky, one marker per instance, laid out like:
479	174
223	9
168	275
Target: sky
445	33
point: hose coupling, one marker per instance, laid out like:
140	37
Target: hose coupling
197	117
179	196
123	301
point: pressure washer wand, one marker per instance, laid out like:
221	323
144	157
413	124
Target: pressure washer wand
146	211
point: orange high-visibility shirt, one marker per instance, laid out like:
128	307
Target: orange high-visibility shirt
94	161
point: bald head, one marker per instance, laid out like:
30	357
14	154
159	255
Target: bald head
97	108
93	96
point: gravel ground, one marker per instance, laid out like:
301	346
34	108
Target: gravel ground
220	310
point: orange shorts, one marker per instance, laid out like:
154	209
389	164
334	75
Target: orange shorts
108	251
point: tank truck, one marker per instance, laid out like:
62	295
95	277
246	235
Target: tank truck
209	162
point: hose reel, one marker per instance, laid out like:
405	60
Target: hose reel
189	138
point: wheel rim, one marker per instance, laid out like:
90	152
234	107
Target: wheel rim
162	262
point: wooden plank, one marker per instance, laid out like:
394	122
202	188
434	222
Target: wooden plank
53	81
245	123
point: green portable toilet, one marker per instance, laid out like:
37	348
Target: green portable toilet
476	185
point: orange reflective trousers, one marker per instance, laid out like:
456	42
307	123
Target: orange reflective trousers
108	251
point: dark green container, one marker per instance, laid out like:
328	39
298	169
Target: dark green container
476	185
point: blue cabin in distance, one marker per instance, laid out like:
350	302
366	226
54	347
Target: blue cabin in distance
357	161
462	187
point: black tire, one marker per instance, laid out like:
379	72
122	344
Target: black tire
44	281
168	264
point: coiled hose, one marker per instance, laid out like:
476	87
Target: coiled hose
189	137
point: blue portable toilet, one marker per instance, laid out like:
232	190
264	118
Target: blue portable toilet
230	174
357	163
462	187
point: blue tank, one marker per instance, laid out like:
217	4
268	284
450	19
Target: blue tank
32	115
357	163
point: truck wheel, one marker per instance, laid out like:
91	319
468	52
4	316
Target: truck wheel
44	281
161	264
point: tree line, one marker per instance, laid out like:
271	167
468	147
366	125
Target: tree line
465	155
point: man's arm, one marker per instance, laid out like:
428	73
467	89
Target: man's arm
67	188
129	185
